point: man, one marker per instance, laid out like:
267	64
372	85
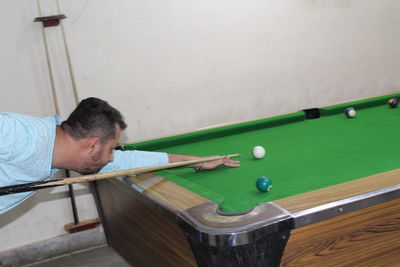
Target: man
33	149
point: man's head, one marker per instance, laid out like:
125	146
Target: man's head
97	127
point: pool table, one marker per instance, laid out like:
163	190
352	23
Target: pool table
335	199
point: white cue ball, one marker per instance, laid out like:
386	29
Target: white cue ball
258	152
351	112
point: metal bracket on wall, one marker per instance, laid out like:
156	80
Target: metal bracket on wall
50	21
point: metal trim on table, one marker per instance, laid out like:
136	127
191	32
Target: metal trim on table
204	224
346	205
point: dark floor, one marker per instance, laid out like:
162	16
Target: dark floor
98	257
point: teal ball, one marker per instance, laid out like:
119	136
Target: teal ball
264	184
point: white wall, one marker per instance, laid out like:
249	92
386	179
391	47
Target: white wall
177	66
23	76
26	88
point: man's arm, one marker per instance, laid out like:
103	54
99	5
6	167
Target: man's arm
206	165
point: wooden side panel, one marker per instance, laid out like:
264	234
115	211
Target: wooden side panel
340	191
368	237
174	196
140	233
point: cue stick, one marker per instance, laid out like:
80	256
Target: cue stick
55	97
6	190
75	90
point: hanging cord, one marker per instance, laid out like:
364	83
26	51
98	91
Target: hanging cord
70	68
46	48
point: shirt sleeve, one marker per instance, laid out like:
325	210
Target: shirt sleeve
26	150
135	159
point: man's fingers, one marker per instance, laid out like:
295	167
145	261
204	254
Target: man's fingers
232	163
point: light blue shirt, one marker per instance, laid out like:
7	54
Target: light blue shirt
26	151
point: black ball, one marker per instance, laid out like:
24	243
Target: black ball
393	102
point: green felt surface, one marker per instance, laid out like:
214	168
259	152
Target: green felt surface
302	155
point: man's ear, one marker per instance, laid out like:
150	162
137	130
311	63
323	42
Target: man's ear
92	144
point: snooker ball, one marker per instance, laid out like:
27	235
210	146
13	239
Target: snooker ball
350	112
258	152
393	102
264	184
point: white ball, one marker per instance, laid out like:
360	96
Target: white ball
351	112
258	152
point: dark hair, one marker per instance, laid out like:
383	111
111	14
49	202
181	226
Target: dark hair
93	117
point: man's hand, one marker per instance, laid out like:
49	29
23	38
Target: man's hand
226	161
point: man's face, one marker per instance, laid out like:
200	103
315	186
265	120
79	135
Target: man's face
101	153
